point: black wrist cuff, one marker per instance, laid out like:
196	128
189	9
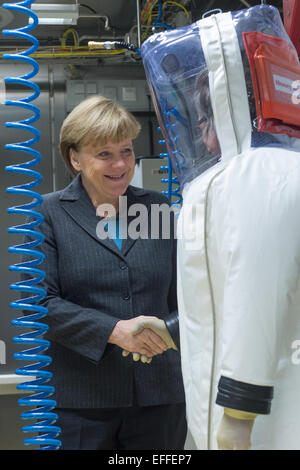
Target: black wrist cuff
172	323
244	396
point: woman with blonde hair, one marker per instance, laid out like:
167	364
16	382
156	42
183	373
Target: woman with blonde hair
100	290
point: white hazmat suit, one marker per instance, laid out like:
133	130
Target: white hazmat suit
238	241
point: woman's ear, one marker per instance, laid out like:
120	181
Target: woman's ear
74	160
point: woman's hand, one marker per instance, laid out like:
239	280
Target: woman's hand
158	326
146	342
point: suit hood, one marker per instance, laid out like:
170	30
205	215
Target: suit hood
177	63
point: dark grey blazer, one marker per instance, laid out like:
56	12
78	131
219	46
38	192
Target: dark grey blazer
91	285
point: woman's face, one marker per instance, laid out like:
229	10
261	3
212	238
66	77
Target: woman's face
209	136
106	170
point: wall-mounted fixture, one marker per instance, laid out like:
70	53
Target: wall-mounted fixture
56	14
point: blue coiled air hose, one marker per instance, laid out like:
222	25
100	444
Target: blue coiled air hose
47	433
171	180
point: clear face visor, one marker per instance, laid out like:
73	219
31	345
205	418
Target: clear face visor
176	71
178	80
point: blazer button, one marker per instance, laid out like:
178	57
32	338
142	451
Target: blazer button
123	266
125	296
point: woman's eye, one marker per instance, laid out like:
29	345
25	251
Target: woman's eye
127	151
103	154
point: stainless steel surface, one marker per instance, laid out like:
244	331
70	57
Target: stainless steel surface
52	125
138	22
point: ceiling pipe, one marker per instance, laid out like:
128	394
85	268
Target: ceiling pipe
97	38
138	22
106	24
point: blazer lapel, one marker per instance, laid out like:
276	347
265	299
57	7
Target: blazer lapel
76	202
134	196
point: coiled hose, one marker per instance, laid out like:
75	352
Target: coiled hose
47	433
171	180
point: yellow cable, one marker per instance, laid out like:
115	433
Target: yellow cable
66	34
52	51
145	13
71	54
178	5
149	20
64	42
150	15
82	54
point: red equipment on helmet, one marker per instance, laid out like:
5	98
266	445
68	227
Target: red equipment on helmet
291	16
275	71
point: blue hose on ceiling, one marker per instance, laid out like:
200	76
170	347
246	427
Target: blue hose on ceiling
44	418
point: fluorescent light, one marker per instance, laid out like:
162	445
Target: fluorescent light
55	21
52	13
65	7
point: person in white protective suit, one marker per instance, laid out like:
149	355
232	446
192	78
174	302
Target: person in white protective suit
229	79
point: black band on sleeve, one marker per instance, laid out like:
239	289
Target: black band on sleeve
172	323
244	396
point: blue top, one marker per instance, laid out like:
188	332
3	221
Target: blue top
114	230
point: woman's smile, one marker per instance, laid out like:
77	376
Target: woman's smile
106	170
115	177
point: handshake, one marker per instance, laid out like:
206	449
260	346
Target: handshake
142	336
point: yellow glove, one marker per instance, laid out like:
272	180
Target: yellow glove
234	432
158	326
137	356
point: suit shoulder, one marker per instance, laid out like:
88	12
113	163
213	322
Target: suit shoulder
155	196
51	197
159	198
50	200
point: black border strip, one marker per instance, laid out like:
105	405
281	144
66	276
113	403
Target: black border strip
244	396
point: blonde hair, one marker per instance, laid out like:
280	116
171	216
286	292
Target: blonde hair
96	119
